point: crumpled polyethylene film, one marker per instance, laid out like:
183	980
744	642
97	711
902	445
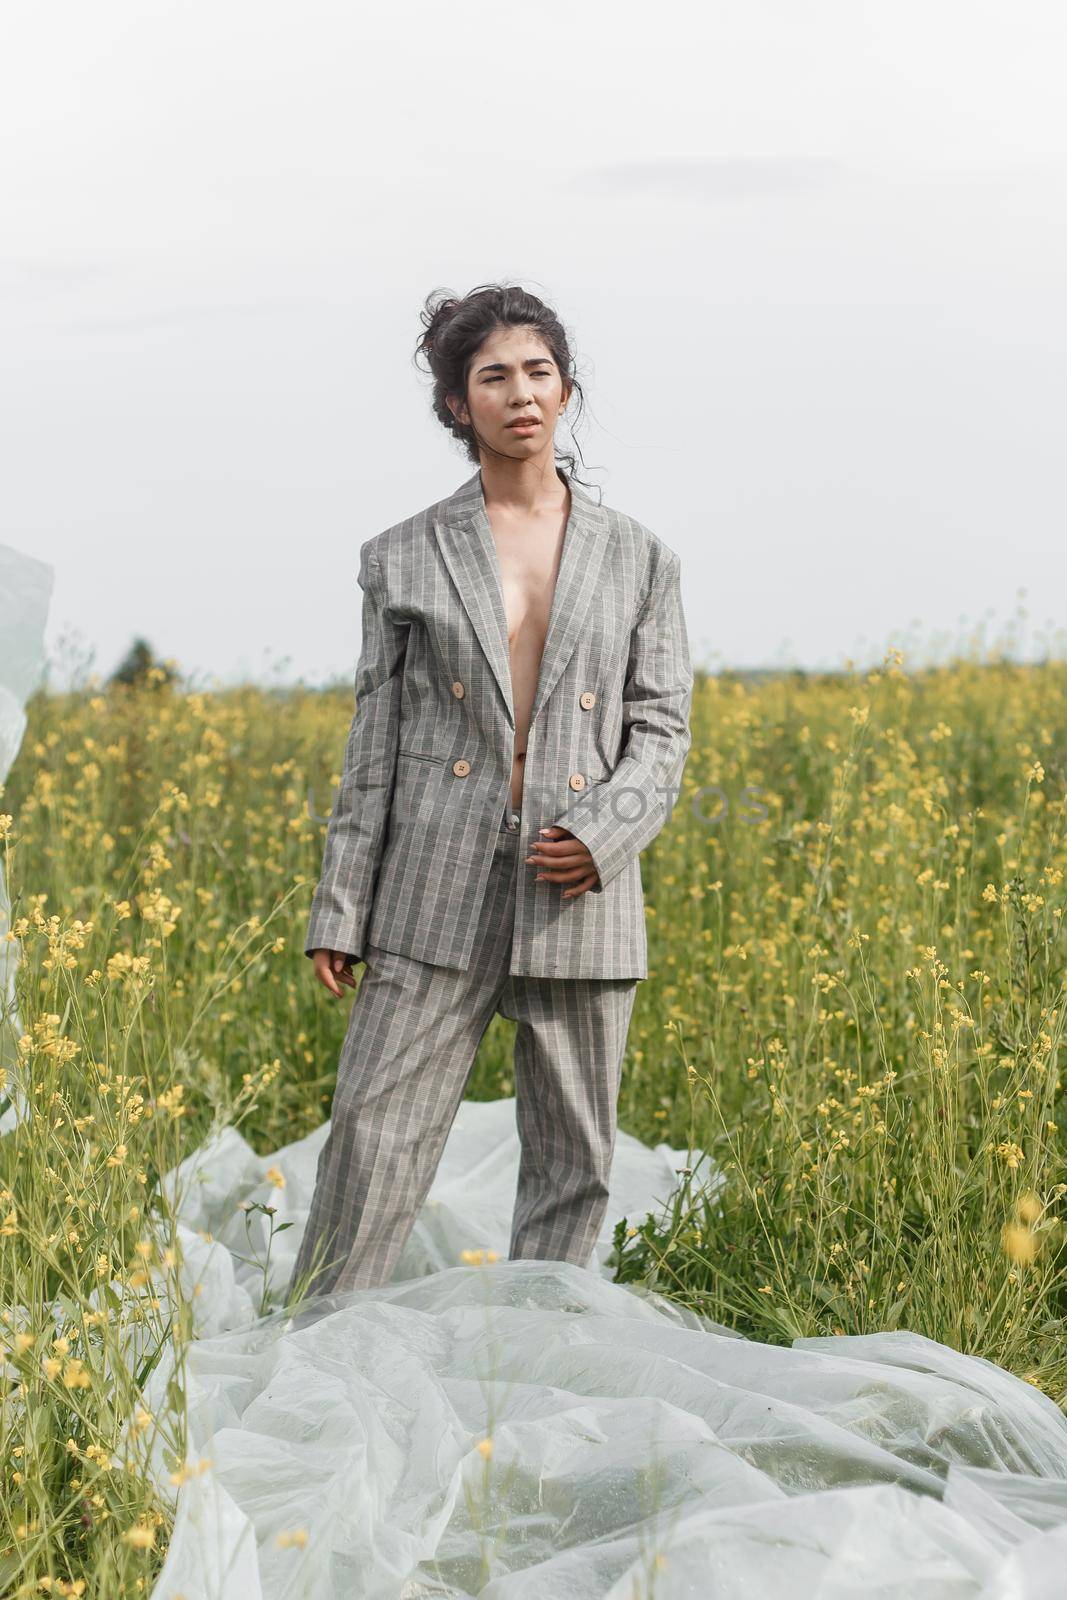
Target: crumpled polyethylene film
25	591
635	1449
527	1430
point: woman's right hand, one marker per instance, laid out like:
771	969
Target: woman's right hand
334	967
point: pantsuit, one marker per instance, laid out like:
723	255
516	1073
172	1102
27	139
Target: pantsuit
424	877
413	1032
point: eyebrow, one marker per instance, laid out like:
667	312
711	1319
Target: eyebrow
502	366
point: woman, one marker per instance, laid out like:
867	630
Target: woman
521	726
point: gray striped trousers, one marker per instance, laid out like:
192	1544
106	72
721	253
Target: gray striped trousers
413	1032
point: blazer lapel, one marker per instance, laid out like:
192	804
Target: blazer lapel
465	539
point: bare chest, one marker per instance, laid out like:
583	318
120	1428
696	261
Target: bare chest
528	576
528	551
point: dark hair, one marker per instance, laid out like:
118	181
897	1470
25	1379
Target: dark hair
455	329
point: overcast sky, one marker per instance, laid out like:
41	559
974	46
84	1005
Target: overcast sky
812	254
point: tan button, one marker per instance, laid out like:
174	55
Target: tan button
587	700
458	690
576	781
461	768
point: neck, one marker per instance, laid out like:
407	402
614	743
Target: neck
524	486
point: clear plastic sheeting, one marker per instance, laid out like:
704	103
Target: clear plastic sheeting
525	1430
25	592
468	1207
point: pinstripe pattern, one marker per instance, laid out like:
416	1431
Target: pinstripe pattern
410	842
413	1032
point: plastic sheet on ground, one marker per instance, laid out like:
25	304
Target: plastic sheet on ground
635	1449
25	591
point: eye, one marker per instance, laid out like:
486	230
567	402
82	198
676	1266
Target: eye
497	377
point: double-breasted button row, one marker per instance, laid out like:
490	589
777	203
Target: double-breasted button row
587	699
461	769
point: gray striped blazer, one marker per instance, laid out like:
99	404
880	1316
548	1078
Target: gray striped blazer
427	767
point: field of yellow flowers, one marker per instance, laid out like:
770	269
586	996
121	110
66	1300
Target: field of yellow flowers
856	1007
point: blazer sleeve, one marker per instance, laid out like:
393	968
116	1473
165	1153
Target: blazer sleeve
616	819
358	825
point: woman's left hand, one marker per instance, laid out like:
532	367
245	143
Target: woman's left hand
561	858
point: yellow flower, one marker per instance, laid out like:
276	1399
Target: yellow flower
1019	1243
292	1536
1028	1207
191	1469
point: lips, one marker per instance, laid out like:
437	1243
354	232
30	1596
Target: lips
524	422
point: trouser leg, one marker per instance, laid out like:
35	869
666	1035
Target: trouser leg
569	1046
413	1033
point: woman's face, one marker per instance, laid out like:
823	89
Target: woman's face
512	376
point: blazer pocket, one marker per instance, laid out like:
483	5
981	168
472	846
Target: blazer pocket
421	755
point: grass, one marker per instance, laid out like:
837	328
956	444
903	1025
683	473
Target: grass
856	1006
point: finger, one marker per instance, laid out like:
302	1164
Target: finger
564	874
567	842
581	862
579	858
342	969
559	850
327	979
587	883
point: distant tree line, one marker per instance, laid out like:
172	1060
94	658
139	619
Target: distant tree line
138	663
